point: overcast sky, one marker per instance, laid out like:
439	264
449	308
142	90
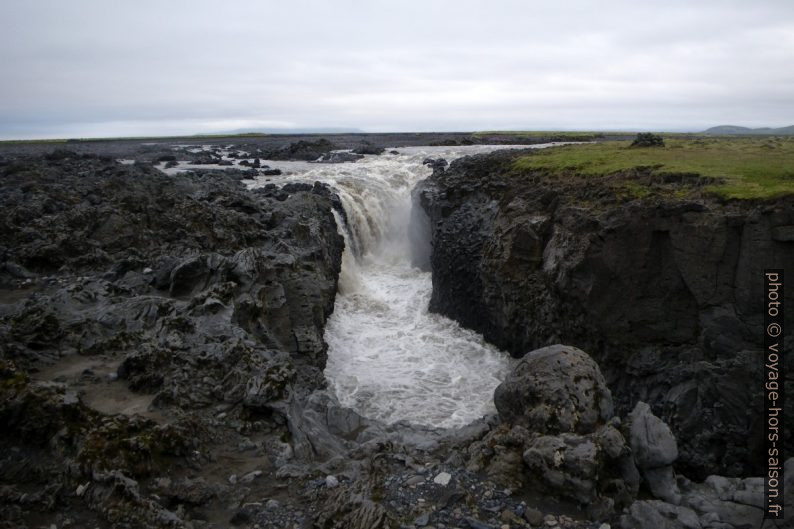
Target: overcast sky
83	68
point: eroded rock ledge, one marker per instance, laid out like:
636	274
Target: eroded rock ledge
665	293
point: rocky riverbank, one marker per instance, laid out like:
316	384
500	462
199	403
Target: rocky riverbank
281	146
154	329
662	288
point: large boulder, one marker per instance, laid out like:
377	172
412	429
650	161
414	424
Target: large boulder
655	450
369	148
572	446
652	442
555	389
661	290
595	470
301	150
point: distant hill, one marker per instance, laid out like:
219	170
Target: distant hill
734	129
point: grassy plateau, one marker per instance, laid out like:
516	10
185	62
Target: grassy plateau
747	168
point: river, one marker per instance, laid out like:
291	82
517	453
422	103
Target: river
389	358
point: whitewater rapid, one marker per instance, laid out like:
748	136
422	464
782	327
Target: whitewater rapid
389	358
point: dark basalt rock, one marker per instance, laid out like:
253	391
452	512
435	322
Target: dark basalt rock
307	151
555	389
206	296
161	357
607	468
206	160
436	164
655	450
369	148
61	154
652	442
558	410
662	292
584	469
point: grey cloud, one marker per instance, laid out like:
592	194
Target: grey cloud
103	68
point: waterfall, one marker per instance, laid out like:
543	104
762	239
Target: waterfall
389	358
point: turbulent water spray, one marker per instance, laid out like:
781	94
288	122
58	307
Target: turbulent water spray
388	357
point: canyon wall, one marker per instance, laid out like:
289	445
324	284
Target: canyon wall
665	292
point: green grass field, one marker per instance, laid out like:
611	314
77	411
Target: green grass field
574	135
749	167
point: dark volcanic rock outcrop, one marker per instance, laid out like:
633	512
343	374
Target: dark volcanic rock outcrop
150	324
556	412
664	292
555	389
606	465
369	148
300	150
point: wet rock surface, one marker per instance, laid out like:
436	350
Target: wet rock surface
663	292
367	147
555	389
557	418
161	365
161	359
153	327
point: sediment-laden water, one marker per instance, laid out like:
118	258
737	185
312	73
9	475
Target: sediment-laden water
389	358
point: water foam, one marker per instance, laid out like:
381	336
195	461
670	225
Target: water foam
389	358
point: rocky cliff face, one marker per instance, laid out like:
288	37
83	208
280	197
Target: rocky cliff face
665	293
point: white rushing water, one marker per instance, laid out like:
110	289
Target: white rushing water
389	358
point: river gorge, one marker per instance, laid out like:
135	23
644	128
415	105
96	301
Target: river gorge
389	358
376	334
